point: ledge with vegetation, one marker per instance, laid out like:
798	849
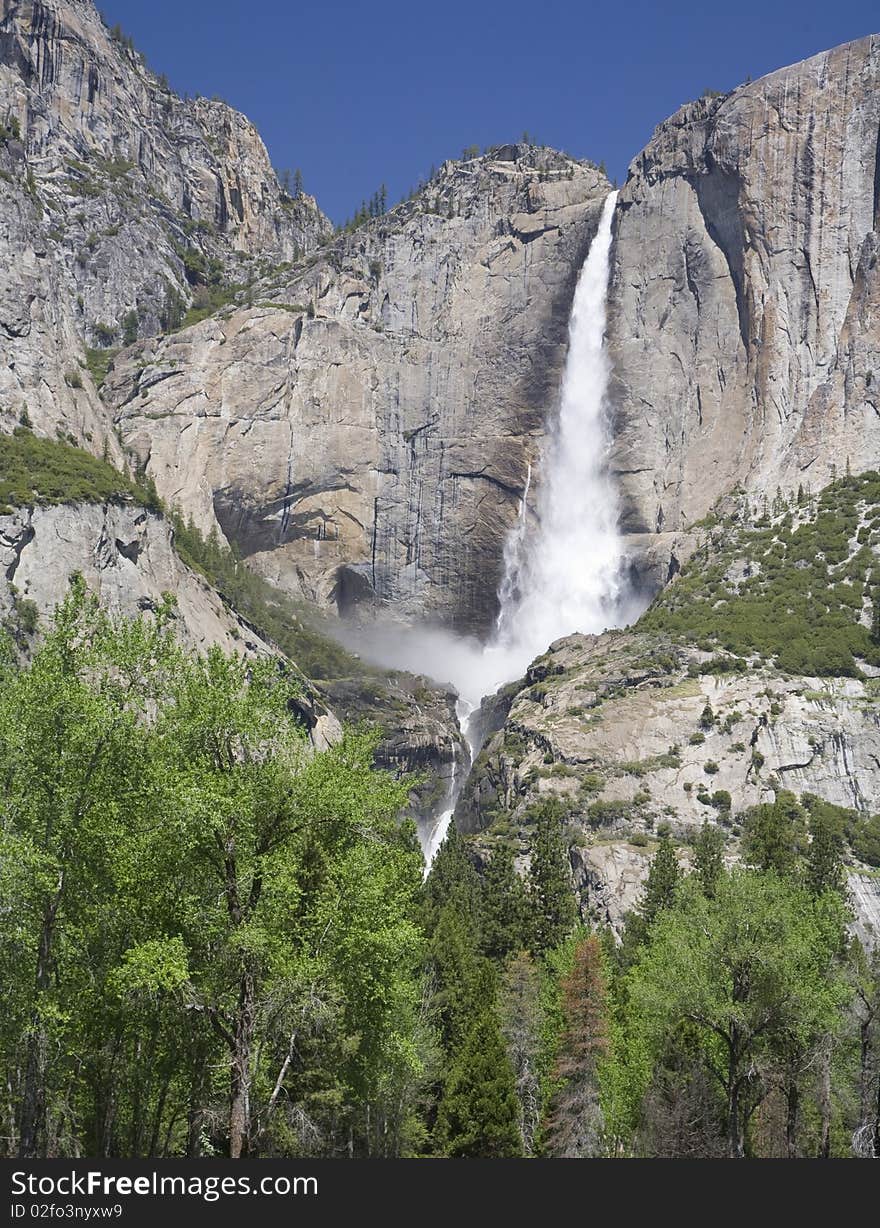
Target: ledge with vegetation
35	471
796	584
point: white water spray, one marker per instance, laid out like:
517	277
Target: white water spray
562	566
562	569
565	577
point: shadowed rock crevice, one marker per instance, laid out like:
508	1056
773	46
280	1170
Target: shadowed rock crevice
718	195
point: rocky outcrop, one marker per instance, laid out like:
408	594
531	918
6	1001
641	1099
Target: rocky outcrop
122	204
609	879
864	891
622	713
126	557
42	380
629	737
364	430
745	296
419	731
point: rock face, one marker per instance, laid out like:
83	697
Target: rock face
41	346
745	296
364	431
121	205
613	727
865	894
420	735
125	555
609	879
127	558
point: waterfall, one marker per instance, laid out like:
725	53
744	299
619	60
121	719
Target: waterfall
433	838
562	571
565	576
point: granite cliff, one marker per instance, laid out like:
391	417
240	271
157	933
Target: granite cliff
744	297
364	430
123	205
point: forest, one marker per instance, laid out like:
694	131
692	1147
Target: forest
217	942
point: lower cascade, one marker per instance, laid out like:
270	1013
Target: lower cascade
563	568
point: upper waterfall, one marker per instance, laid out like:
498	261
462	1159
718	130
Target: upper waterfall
565	576
563	557
562	566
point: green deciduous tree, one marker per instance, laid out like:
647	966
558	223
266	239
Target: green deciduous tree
290	854
77	778
750	969
215	945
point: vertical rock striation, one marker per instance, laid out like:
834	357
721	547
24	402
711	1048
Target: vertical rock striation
745	295
364	430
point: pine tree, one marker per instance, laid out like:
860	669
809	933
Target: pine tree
708	857
552	904
663	879
774	834
462	978
824	869
479	1112
505	907
453	880
658	894
574	1127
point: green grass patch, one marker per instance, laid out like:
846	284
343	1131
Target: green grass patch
98	363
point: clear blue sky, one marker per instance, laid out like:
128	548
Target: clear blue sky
356	94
